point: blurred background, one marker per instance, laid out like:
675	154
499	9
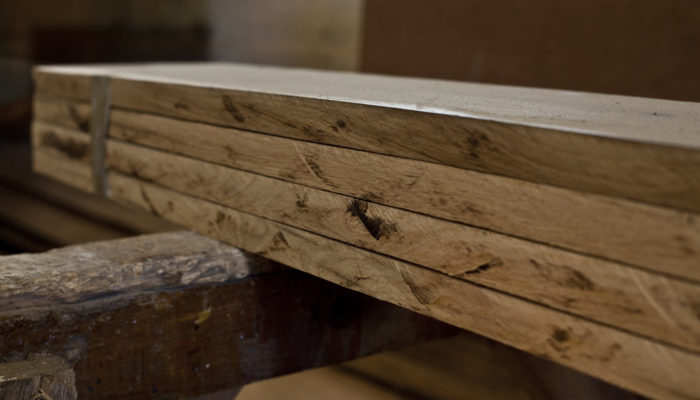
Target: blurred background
647	48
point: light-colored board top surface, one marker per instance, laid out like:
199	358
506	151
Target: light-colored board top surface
672	123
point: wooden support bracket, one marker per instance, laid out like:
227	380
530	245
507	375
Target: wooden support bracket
178	315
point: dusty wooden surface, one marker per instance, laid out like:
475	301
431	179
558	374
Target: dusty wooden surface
180	314
602	351
653	237
628	147
146	263
39	377
613	293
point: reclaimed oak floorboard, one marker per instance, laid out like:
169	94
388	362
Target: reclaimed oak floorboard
643	149
619	295
656	238
619	357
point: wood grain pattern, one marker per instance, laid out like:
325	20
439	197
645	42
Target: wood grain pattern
39	377
612	293
656	238
150	262
523	133
177	315
617	357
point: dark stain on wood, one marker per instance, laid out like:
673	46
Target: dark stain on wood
339	124
83	124
611	352
181	106
220	217
376	226
421	294
301	203
485	267
73	149
231	108
474	142
148	201
578	280
560	335
230	152
279	242
695	307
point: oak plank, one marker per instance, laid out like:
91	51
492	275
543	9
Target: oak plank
621	358
628	147
655	238
616	294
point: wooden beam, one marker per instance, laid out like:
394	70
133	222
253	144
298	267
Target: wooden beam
635	148
178	314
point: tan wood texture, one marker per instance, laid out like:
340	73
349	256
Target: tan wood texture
656	238
628	147
621	358
40	377
616	294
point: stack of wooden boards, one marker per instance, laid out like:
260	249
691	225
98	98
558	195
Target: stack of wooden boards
564	224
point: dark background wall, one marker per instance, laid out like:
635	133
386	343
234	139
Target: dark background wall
645	48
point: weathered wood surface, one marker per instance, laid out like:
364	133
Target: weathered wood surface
619	295
40	377
147	263
179	314
624	359
653	237
637	148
